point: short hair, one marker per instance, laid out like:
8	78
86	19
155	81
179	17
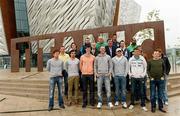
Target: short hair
87	46
71	52
121	41
158	50
56	50
74	44
109	40
115	34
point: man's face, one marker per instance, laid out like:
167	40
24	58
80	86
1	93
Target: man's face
87	41
102	50
114	38
73	54
62	49
73	46
100	40
56	54
93	45
122	44
156	55
110	43
88	50
119	53
137	52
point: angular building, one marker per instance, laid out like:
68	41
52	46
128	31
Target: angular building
36	17
52	16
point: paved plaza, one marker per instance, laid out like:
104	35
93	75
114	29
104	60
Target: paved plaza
24	106
20	106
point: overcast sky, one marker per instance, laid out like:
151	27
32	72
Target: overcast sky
169	12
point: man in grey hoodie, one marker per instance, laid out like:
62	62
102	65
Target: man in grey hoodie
120	70
103	70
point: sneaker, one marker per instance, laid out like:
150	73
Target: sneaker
131	107
62	106
116	103
110	105
50	108
124	105
166	103
145	109
99	105
162	110
84	106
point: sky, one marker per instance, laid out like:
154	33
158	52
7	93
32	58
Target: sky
169	12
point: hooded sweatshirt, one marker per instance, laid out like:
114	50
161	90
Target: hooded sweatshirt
137	67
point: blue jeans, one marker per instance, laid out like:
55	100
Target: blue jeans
52	83
156	86
165	95
140	82
106	81
120	88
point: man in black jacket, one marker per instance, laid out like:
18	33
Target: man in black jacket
110	49
167	70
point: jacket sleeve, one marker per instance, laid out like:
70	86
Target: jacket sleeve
48	67
168	65
145	67
127	67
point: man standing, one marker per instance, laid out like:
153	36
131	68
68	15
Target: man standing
103	70
156	72
64	57
120	70
72	67
86	67
100	43
114	40
55	67
167	70
110	49
137	73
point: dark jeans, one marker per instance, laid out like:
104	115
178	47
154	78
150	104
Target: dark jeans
128	86
156	86
52	83
65	75
137	82
88	80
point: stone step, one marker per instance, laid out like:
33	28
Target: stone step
174	79
25	81
24	85
25	90
30	95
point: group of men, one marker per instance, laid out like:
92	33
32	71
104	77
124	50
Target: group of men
103	63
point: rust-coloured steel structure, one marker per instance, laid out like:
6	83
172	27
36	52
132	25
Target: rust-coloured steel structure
130	30
9	21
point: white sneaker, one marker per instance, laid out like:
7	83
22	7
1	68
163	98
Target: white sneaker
110	105
145	109
116	103
131	107
166	103
99	105
124	105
